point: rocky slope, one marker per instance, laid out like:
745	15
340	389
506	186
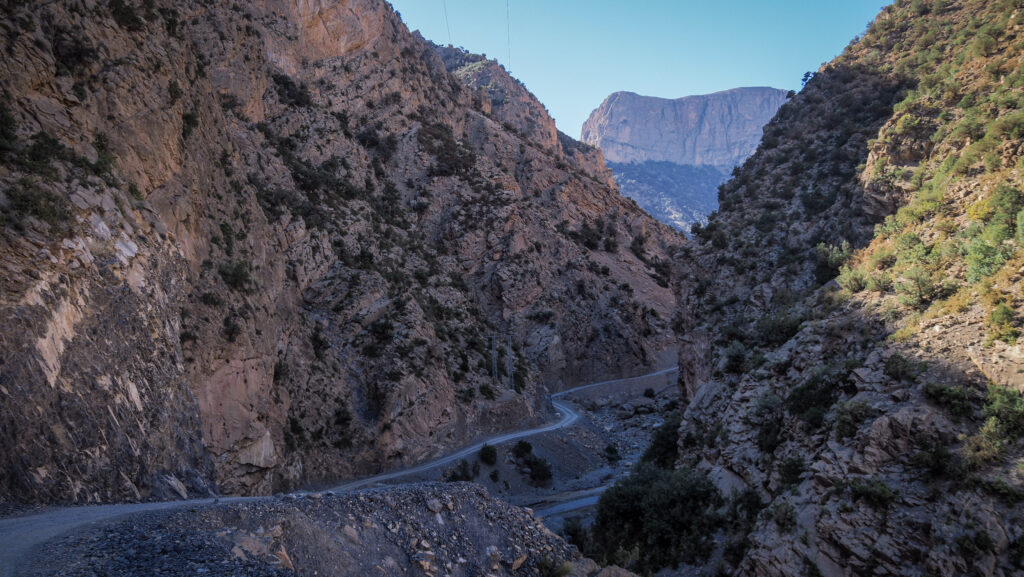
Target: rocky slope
851	314
676	194
251	246
671	155
429	529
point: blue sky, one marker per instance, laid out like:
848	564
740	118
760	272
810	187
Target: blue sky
574	53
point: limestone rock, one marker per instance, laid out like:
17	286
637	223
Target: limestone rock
720	129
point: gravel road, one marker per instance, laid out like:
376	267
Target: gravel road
22	535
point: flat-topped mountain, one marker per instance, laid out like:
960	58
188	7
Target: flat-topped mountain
670	156
720	129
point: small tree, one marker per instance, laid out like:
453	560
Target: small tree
488	455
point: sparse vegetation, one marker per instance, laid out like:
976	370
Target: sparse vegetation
290	92
488	455
667	516
874	492
236	275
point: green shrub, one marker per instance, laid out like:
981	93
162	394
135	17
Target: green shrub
900	368
1007	407
488	455
522	449
959	401
874	492
983	259
852	279
767	415
231	328
774	330
487	392
125	16
879	283
829	260
1002	322
790	470
189	122
663	449
811	400
849	416
974	544
550	568
8	129
784	515
236	275
611	452
291	93
27	198
540	470
918	287
462	472
451	158
735	357
668	516
985	446
937	459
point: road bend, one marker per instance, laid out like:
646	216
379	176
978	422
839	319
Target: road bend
21	535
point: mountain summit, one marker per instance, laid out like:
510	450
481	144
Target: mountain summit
720	129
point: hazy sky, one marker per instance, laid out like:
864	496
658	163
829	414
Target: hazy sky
574	53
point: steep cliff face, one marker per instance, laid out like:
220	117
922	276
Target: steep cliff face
258	245
720	129
853	310
670	156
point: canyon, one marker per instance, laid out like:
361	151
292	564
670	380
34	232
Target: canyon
251	248
258	248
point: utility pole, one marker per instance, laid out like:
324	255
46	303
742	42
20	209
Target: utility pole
494	359
511	368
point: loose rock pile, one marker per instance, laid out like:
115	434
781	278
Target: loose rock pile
453	529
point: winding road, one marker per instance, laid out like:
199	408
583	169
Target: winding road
20	536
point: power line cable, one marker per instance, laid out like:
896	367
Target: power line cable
508	31
444	6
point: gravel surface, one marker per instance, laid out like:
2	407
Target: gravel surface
454	529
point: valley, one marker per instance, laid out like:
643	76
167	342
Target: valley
289	289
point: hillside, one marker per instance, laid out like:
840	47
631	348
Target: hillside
850	321
679	195
248	247
670	156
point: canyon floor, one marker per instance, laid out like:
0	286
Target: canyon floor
403	522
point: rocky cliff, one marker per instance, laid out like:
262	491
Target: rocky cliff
720	129
852	312
256	245
671	155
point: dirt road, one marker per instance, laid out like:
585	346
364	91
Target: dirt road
22	535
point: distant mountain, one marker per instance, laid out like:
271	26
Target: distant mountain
720	129
710	132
